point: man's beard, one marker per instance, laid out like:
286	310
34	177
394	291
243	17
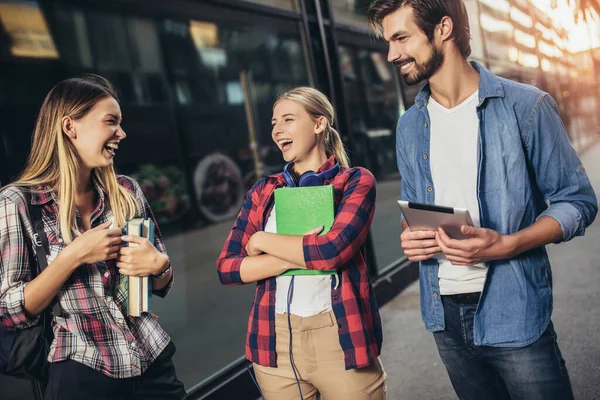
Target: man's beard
422	71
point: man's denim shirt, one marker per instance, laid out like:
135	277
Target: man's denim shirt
527	169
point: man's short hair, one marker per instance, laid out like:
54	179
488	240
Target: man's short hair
428	14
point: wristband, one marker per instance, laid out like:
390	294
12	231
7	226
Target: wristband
164	273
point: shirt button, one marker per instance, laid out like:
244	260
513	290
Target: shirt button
340	325
107	274
429	189
425	125
435	295
425	156
335	297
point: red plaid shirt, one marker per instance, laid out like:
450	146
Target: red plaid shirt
93	327
353	301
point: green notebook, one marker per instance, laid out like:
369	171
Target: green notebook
300	209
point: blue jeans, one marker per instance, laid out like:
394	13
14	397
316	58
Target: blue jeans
536	371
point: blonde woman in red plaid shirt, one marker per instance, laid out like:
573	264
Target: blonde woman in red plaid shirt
98	351
333	319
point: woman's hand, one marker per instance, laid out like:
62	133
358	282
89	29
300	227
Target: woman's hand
252	247
141	258
96	244
256	244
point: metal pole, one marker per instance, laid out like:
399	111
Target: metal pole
326	58
246	79
333	65
308	48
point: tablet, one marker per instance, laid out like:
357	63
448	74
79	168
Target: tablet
427	217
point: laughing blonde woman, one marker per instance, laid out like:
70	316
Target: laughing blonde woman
330	323
98	351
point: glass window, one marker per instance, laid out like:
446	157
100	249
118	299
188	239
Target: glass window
373	106
29	58
24	31
222	52
350	12
352	89
282	4
107	35
124	49
71	32
146	55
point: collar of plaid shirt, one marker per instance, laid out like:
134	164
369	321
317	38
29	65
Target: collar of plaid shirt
45	195
93	327
353	301
327	165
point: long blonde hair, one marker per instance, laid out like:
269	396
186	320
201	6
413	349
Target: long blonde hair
53	160
318	105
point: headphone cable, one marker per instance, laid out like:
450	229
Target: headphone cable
289	301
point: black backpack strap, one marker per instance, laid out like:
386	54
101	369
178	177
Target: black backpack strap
40	243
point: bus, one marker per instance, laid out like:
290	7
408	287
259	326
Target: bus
197	80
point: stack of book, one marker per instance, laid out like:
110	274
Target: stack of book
138	288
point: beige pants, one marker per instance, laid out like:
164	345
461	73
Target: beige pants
319	362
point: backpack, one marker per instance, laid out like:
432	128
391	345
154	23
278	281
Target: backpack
24	352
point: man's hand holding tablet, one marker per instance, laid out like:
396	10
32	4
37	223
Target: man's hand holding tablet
427	217
418	245
428	230
420	228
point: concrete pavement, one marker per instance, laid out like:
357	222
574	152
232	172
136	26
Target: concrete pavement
410	357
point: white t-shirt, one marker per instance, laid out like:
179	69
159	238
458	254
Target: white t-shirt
312	293
453	158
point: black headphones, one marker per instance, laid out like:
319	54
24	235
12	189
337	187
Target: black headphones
309	178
